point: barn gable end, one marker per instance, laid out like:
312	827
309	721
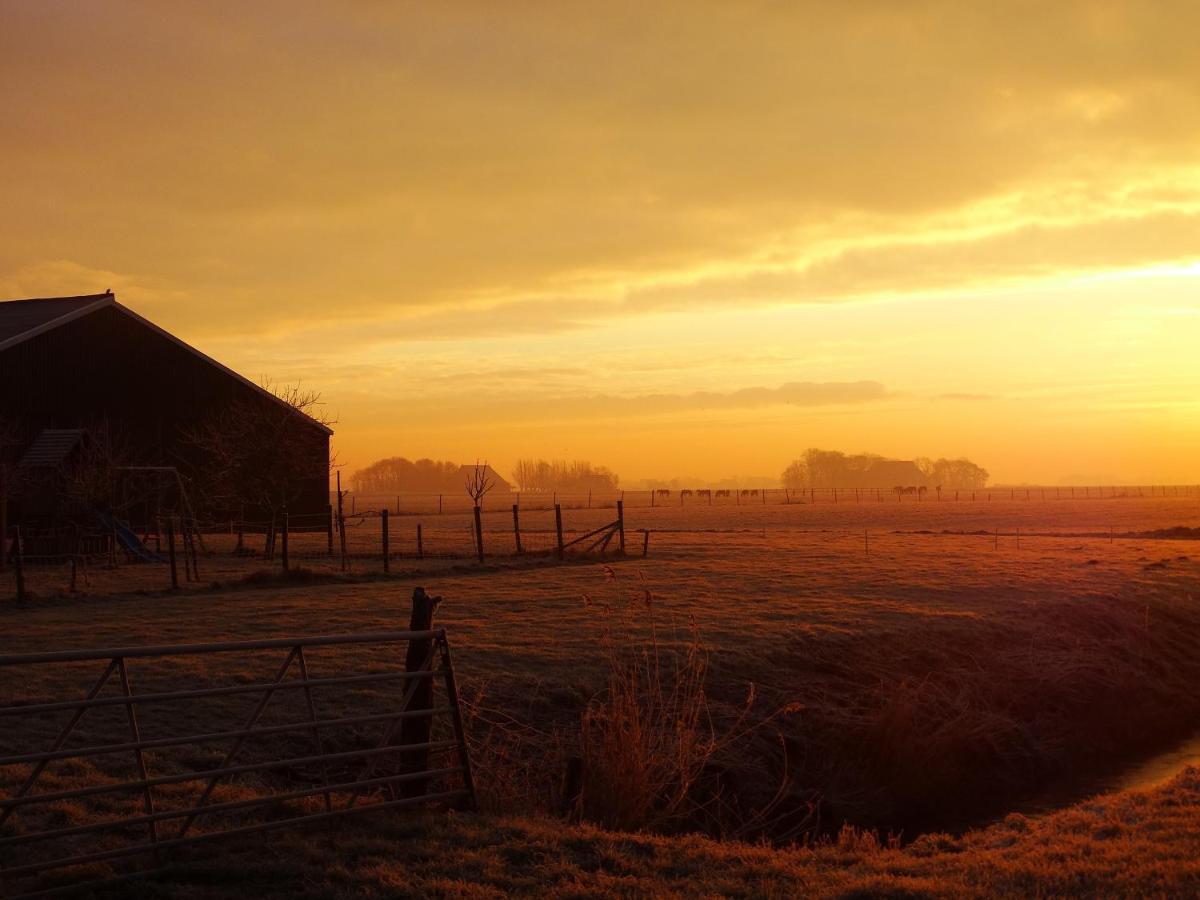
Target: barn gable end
87	362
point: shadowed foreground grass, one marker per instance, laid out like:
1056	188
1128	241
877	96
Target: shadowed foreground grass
1127	844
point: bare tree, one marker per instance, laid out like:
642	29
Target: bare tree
258	453
90	480
479	482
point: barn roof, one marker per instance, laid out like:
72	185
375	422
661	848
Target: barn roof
21	320
51	447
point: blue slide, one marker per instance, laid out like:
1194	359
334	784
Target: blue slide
128	539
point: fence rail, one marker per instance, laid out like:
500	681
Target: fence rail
189	785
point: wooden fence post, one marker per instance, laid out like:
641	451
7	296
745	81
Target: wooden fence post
342	541
478	533
383	525
621	524
558	529
439	504
645	542
416	730
329	530
171	554
187	556
341	520
18	553
420	546
3	520
284	555
517	527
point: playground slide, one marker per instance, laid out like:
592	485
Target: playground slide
128	539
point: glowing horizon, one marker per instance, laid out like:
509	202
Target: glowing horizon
687	243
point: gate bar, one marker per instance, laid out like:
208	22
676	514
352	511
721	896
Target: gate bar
380	637
157	743
180	778
291	684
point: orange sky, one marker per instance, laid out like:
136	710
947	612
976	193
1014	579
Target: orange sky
679	240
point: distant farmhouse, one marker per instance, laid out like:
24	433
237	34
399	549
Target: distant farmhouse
71	367
498	483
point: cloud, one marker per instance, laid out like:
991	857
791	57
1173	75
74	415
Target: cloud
447	168
500	406
964	396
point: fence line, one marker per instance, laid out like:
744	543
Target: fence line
368	540
424	503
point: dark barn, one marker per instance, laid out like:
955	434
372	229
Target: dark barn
77	373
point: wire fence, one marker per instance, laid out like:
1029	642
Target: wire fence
173	554
417	503
366	541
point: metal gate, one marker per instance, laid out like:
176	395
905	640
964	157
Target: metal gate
116	782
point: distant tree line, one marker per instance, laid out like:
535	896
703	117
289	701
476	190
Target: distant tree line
560	475
825	469
953	474
396	475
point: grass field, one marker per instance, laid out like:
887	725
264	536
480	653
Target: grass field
932	676
1136	844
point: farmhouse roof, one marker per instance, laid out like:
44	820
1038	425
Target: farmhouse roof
22	320
51	447
498	481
